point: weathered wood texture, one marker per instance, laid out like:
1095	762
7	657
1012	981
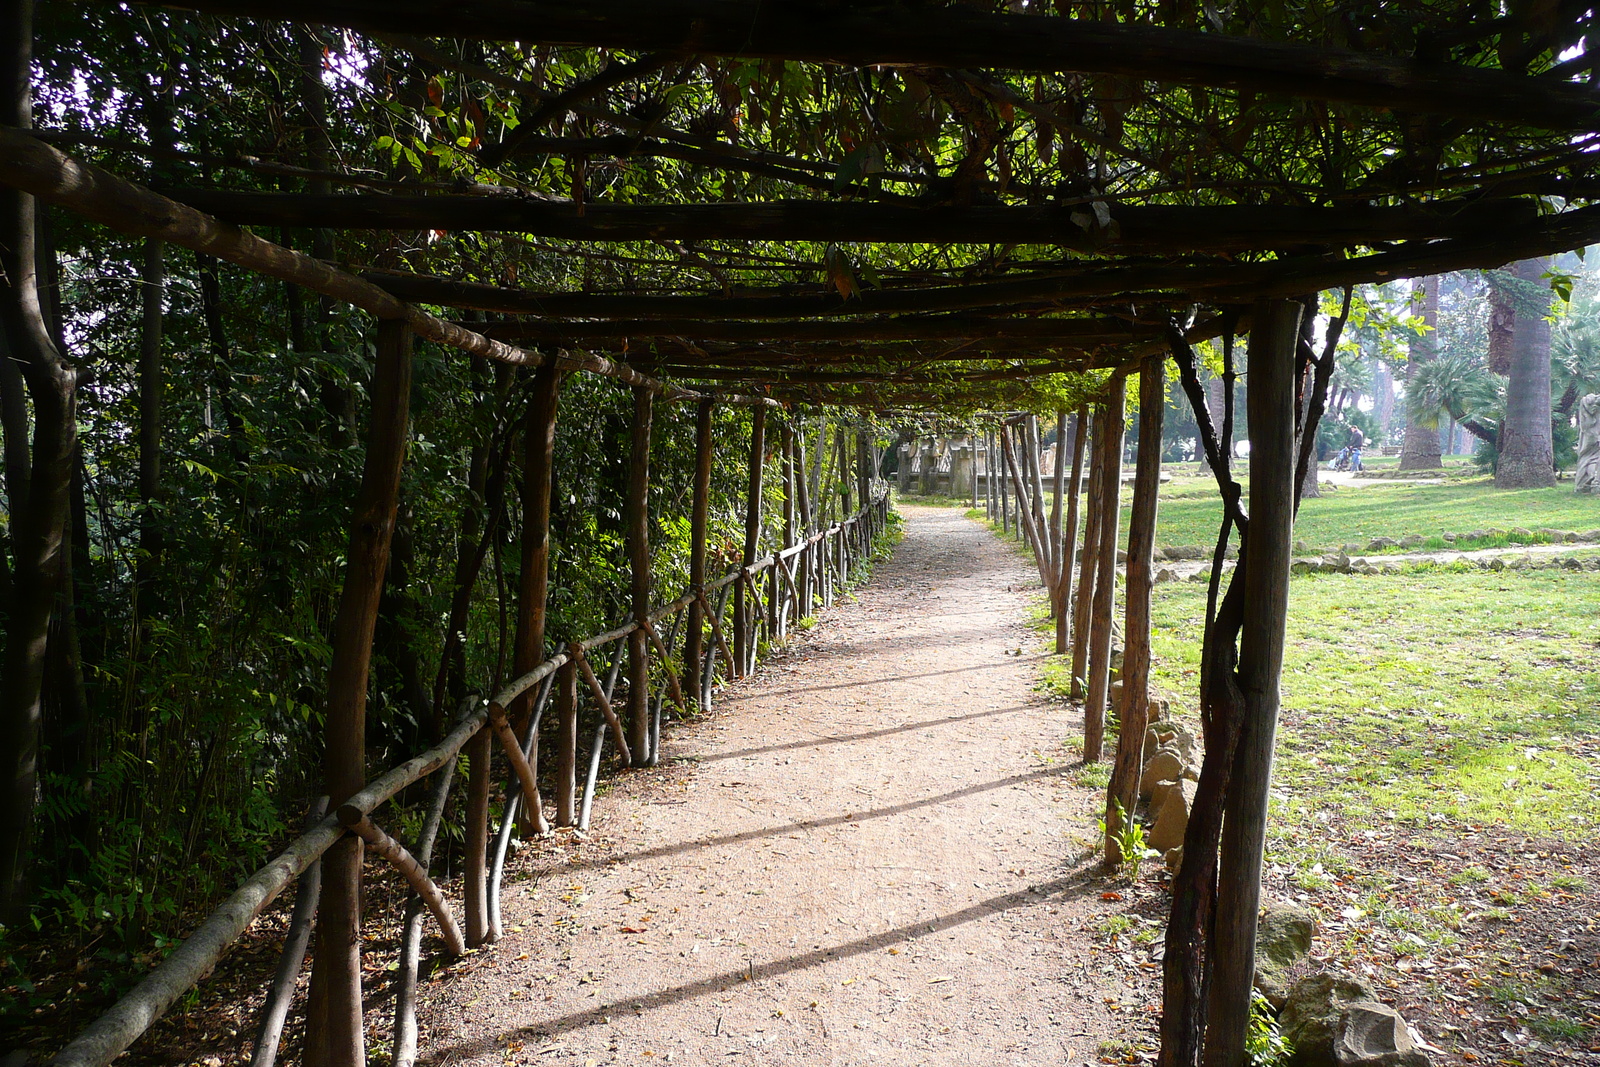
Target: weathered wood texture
1271	400
637	527
98	195
395	854
334	1031
743	641
1069	534
1123	790
1101	619
958	37
699	518
1139	230
1088	557
285	980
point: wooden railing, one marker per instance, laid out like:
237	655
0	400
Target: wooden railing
780	588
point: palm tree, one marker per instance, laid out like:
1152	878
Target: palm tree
1459	386
1527	451
1420	450
1575	359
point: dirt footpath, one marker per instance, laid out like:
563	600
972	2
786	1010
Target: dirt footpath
870	853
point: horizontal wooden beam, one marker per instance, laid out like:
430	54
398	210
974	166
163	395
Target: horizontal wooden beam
925	35
34	167
1130	230
1045	333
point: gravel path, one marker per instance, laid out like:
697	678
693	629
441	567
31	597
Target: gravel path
872	852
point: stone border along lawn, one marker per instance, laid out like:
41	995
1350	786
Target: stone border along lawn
1434	799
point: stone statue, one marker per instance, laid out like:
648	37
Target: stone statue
1589	444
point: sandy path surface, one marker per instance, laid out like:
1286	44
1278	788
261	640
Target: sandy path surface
869	853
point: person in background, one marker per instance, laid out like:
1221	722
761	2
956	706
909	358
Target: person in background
1357	440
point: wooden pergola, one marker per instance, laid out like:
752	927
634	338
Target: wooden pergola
1362	146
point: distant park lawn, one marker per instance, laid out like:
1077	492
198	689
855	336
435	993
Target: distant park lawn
1189	512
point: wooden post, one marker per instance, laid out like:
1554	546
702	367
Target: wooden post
538	467
1069	535
803	499
864	470
1005	504
1105	584
638	544
1025	512
1123	790
1057	550
1088	557
1029	440
1274	331
694	641
567	745
334	1035
791	513
742	637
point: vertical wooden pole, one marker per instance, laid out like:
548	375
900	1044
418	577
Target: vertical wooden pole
1088	557
863	467
699	517
803	564
1124	788
1069	535
1005	504
1029	439
791	512
538	474
1105	584
334	1035
1057	551
638	544
567	745
1030	532
743	654
1274	331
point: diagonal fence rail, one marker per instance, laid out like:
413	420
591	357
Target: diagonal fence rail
782	587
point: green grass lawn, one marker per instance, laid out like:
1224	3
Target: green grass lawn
1443	695
1189	511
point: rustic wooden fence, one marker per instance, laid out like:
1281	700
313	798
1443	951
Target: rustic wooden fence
769	593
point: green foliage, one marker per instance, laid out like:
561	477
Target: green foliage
1262	1041
1130	840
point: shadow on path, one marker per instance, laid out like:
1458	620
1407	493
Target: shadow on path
901	677
836	739
814	824
1061	888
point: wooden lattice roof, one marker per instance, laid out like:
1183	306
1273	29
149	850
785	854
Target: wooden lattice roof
922	198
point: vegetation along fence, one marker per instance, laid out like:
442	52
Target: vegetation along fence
768	596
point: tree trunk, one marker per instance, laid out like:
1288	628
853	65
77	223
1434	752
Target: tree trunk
39	512
1057	549
1123	790
638	545
152	290
699	518
1088	558
742	653
1527	456
538	474
333	1028
1105	585
1216	389
1069	536
1261	641
1420	450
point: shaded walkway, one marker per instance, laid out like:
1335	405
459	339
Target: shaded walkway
868	854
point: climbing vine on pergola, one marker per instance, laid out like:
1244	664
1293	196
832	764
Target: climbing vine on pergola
967	208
